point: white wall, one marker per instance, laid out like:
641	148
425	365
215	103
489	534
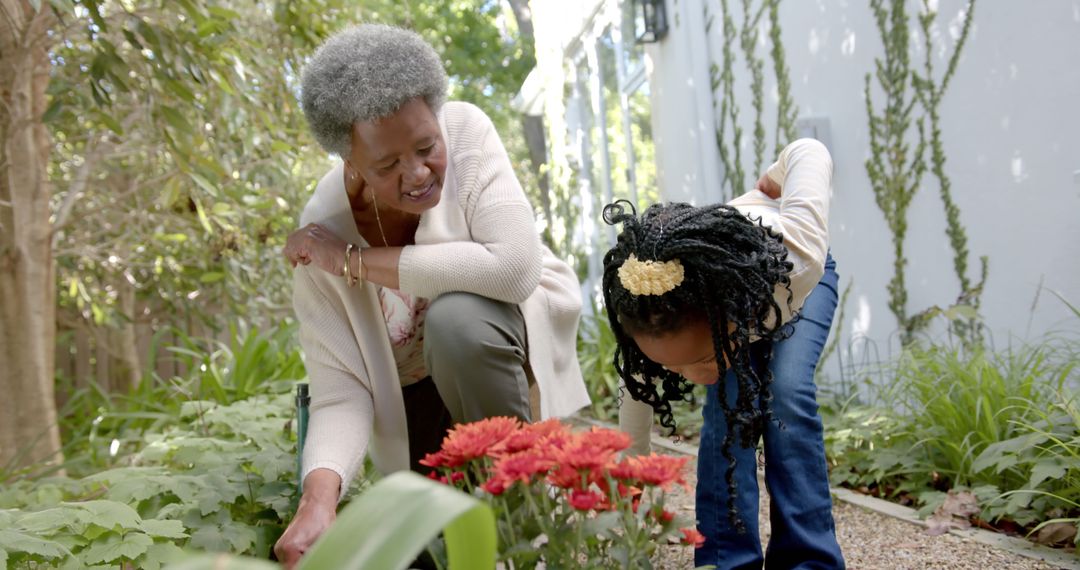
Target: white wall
1011	119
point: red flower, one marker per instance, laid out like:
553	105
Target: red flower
692	537
604	438
583	453
435	477
469	441
584	500
495	486
566	477
523	466
436	459
457	476
659	470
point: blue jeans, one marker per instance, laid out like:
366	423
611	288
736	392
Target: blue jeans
803	532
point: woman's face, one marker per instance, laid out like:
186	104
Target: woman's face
401	158
688	352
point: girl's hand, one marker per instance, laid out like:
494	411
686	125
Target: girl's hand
768	187
316	244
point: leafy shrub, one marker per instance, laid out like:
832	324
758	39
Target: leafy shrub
1005	425
221	478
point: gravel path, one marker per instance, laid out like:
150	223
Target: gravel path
872	541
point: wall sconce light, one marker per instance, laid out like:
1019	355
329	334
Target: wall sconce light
650	21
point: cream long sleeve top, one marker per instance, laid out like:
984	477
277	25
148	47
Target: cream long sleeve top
804	173
480	238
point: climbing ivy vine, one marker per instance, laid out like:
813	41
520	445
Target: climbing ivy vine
896	169
741	42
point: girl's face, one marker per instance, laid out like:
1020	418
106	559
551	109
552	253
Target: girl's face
401	158
688	352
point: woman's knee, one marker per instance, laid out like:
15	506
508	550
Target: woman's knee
461	326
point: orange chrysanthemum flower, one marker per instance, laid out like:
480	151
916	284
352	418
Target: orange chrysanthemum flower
582	453
523	466
469	441
604	438
660	470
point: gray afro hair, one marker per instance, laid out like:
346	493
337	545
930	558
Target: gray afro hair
365	73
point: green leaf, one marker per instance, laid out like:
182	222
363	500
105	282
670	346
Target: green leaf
175	119
202	217
204	184
111	514
36	5
163	528
391	522
12	541
115	547
160	554
1046	469
211	277
52	520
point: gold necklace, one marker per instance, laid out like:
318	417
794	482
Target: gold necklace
378	220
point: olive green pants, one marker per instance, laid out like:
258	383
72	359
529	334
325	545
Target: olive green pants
475	350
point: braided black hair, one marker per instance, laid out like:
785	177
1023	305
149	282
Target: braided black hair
732	267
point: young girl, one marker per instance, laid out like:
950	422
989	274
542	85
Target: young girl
708	295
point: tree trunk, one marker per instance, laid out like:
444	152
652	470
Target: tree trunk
126	367
29	433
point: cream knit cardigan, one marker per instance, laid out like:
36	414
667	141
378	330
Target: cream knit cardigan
801	215
480	238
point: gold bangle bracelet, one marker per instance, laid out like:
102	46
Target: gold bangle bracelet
359	268
348	256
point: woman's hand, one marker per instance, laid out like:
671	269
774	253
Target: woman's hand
317	511
316	244
768	187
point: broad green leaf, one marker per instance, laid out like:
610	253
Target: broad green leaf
12	541
160	554
239	536
1046	469
211	277
51	520
115	547
388	525
163	528
110	514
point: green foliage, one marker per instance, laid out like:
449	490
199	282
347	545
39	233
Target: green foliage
1005	425
251	362
219	478
596	353
386	527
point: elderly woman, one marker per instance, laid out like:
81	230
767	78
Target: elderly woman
424	295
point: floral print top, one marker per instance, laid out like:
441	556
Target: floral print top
404	316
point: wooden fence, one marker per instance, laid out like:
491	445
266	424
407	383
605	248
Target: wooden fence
116	358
